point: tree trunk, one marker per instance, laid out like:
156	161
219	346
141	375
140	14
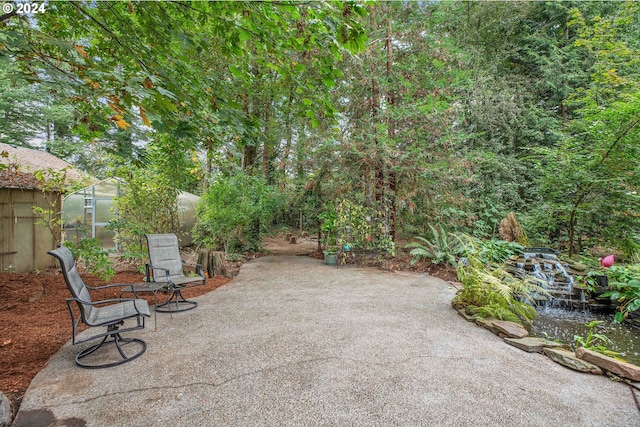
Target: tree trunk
266	152
248	157
248	151
391	131
213	262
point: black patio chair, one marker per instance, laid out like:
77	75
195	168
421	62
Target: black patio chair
110	313
166	270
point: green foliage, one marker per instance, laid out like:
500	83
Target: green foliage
621	274
493	250
626	281
441	248
328	226
585	177
496	310
30	112
139	56
53	184
481	109
148	203
234	211
96	259
595	341
363	228
493	291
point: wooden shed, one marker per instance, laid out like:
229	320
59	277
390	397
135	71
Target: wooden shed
23	244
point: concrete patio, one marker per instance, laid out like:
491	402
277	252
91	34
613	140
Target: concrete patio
292	341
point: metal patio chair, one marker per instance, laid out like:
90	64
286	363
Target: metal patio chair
166	269
111	313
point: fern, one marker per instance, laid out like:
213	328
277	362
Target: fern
495	291
497	311
439	249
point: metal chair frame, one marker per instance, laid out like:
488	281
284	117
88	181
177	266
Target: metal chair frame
173	277
110	313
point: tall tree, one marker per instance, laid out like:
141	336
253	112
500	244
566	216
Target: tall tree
591	177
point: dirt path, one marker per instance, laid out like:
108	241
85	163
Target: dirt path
279	246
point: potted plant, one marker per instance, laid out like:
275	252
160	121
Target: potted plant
328	218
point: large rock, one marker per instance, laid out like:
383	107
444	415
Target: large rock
510	329
5	411
568	358
531	344
462	312
624	369
487	324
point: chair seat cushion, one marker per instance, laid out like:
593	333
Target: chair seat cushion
183	280
117	312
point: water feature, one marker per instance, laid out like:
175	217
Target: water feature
562	325
568	308
545	265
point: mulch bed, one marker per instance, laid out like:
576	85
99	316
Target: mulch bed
35	322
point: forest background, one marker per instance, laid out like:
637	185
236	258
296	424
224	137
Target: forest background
449	114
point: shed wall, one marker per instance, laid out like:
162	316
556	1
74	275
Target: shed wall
23	244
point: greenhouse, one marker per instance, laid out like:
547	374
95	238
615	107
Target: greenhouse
87	212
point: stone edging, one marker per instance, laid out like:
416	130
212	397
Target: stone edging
582	360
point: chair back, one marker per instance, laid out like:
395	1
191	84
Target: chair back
71	276
164	253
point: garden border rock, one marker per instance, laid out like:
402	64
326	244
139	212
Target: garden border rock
598	362
5	411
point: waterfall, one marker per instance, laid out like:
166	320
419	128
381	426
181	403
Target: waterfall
543	264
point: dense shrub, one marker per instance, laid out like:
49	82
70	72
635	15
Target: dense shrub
234	211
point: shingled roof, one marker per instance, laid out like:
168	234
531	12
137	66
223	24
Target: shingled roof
29	161
13	179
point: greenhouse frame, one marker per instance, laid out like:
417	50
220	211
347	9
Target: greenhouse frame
87	212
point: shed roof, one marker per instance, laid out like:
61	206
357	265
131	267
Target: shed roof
32	160
23	162
13	179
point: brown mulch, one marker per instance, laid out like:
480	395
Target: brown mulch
35	321
402	262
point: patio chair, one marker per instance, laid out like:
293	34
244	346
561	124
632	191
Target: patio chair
110	313
167	268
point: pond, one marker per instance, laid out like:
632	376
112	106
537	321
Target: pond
560	324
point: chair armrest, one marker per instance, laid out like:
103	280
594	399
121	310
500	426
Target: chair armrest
105	301
198	268
149	268
114	285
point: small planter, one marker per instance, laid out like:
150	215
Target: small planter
330	257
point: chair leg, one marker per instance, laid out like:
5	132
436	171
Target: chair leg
116	339
177	300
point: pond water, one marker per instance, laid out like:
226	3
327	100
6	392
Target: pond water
562	325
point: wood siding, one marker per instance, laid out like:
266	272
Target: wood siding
23	244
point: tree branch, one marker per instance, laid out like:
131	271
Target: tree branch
8	16
108	31
618	139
